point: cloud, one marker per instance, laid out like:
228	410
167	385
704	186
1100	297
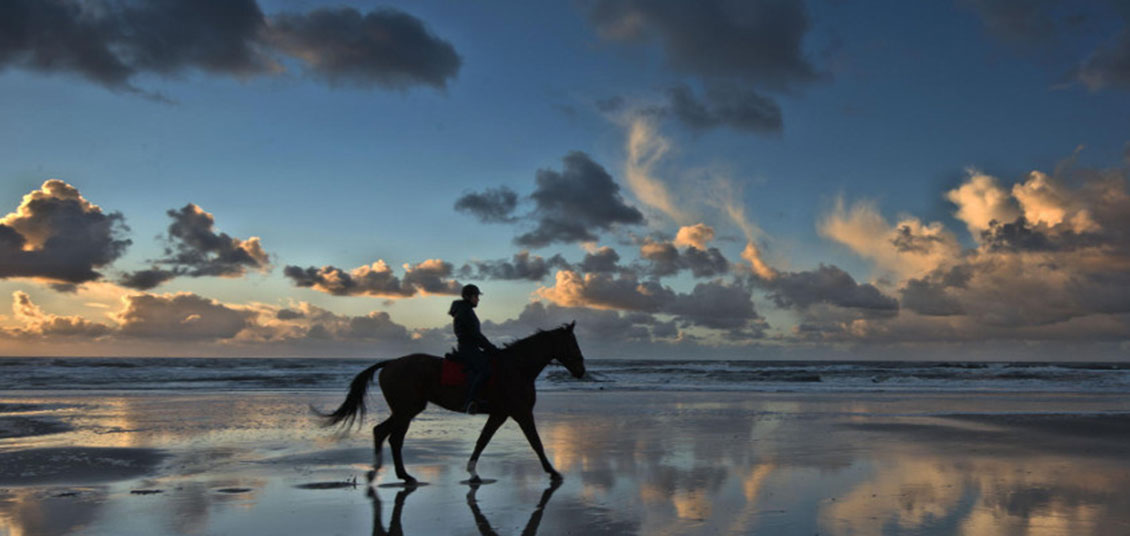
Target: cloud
195	249
712	305
385	47
576	202
522	266
38	324
757	42
494	205
1024	22
717	306
909	248
378	280
667	260
1049	263
183	315
431	277
57	235
112	42
734	48
604	291
646	147
602	260
740	109
827	285
696	236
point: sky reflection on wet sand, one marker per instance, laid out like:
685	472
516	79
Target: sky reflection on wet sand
645	463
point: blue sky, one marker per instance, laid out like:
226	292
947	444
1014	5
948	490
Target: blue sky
892	104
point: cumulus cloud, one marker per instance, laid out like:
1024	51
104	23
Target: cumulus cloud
112	42
494	205
601	260
522	266
378	280
571	205
195	249
827	285
1051	257
696	236
665	260
182	315
35	323
908	248
57	235
712	305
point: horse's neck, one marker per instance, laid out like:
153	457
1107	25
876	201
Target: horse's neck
532	358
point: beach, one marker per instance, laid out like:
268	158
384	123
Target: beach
669	462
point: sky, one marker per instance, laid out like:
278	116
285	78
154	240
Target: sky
938	180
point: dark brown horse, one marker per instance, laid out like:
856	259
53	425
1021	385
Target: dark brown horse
410	382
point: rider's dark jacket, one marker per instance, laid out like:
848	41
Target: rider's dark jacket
467	329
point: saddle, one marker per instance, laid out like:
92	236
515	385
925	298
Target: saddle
453	373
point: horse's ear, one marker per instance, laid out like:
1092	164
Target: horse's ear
571	325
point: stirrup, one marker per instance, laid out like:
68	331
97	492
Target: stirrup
472	408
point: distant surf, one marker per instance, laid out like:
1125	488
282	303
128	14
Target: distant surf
215	374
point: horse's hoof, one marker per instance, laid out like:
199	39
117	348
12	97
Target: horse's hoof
411	482
556	477
371	475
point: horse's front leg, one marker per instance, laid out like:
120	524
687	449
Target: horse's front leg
526	421
493	423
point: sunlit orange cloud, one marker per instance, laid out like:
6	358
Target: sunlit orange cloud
909	248
696	236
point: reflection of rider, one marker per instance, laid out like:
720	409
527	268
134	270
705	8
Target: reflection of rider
473	346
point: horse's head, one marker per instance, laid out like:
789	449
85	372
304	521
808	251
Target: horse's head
569	353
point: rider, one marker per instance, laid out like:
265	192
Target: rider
473	347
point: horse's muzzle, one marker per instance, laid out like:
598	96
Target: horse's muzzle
579	373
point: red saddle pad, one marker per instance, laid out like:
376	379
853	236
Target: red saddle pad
452	373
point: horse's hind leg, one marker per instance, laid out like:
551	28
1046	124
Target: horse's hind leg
396	441
380	432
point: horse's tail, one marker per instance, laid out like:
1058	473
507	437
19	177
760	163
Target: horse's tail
353	408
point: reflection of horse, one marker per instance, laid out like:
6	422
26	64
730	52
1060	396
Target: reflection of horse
395	528
410	382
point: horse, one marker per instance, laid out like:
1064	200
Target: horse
410	382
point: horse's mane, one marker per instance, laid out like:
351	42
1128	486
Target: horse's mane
532	338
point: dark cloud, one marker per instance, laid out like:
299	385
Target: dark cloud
180	316
827	285
735	48
740	109
493	205
665	260
522	266
715	305
57	235
1109	65
758	42
111	42
289	314
928	297
195	249
146	279
430	277
385	47
374	280
576	202
603	260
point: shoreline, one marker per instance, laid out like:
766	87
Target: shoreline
634	463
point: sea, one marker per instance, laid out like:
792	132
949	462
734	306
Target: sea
226	374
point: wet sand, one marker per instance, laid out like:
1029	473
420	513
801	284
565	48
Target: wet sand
634	463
